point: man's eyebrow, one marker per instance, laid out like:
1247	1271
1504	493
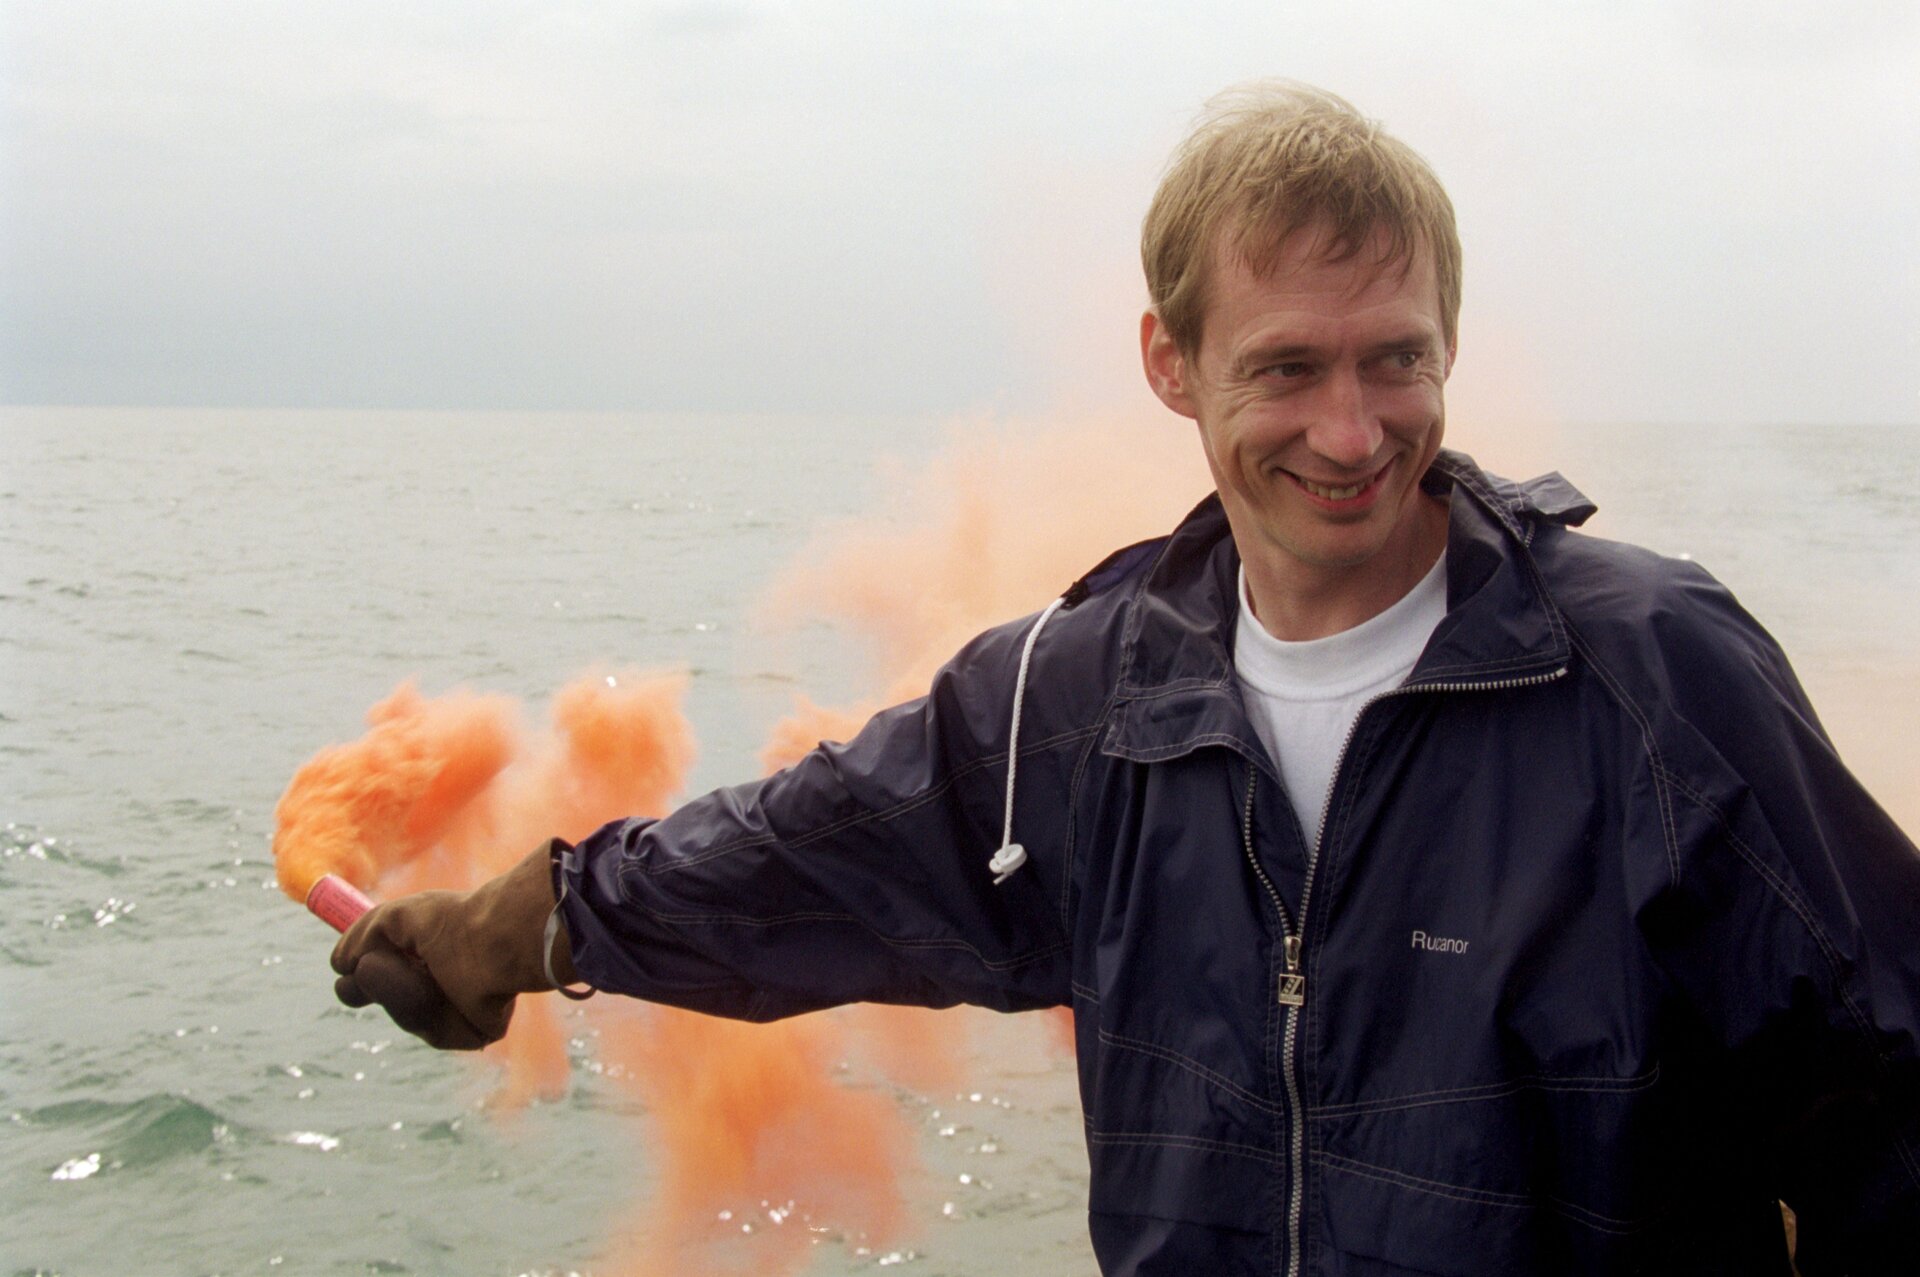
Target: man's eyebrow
1259	356
1411	339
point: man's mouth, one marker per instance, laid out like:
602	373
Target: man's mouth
1333	494
1338	492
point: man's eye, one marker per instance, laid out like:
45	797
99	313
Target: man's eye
1289	369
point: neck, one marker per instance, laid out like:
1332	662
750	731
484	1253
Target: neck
1295	601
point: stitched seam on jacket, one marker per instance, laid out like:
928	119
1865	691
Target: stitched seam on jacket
896	942
1335	822
1663	800
1491	1091
1135	620
1556	622
1667	780
1160	691
848	822
1775	882
1099	729
1082	992
1488	498
1484	1197
1191	1065
1156	1139
1160	753
1436	673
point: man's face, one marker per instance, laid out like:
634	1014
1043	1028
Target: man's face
1318	392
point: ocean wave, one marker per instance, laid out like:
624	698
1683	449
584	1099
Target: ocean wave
133	1133
21	842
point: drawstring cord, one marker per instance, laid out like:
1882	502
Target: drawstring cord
1011	854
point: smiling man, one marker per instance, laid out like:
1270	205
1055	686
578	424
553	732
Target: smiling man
1437	890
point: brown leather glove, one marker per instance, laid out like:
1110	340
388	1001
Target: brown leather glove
447	965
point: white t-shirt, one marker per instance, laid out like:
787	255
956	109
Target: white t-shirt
1303	697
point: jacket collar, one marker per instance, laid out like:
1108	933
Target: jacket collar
1177	689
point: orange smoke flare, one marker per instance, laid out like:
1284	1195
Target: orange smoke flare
448	791
362	810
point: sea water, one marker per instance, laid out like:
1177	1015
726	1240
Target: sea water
192	602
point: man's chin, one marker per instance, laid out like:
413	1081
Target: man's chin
1331	554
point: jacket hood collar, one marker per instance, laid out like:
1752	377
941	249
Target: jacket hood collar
1177	688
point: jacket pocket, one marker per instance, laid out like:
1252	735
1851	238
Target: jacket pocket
1169	1138
1517	1177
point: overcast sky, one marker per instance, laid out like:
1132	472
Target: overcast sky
1671	211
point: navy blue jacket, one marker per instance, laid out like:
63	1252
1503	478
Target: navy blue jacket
1602	951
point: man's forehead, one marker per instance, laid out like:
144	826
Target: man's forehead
1273	257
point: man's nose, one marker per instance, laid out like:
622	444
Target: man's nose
1343	430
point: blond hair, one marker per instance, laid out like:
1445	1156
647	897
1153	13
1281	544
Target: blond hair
1276	157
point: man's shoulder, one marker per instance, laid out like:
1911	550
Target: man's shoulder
1612	592
1629	593
1666	628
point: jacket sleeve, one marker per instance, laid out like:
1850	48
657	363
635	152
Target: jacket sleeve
1793	927
858	874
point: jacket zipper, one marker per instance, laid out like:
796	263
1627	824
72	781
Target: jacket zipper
1292	985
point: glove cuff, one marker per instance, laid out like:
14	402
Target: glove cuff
560	862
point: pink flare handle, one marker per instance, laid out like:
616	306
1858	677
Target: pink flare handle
337	902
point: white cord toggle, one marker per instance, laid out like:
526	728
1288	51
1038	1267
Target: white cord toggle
1011	854
1006	860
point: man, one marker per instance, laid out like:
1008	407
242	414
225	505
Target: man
1437	890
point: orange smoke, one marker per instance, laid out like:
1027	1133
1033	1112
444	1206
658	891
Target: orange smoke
794	736
758	1145
446	791
619	746
363	810
449	791
1002	521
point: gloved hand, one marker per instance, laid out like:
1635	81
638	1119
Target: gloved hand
447	965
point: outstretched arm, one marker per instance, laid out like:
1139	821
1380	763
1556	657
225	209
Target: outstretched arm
859	874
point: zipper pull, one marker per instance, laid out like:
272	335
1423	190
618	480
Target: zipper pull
1293	985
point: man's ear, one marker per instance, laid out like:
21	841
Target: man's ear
1166	368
